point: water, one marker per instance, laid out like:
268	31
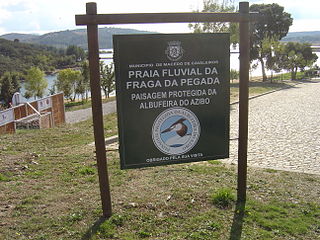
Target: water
107	58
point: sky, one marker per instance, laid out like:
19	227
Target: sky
42	16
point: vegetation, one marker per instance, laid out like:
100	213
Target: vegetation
273	27
84	84
49	190
234	74
77	37
17	57
285	76
35	84
216	6
266	33
68	82
223	198
293	56
75	51
107	78
9	84
74	83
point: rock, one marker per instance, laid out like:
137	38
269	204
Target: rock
151	206
35	155
133	205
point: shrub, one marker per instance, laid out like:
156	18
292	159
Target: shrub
223	198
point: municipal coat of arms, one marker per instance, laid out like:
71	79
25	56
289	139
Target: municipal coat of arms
174	50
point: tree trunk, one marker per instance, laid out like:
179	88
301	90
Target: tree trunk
105	92
264	76
293	74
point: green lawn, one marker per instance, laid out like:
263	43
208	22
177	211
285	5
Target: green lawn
49	190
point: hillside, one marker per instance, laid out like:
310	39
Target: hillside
22	37
17	56
303	37
77	37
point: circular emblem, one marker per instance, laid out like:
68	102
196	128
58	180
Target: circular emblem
174	50
176	131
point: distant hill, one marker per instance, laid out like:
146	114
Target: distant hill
16	56
303	37
77	37
20	36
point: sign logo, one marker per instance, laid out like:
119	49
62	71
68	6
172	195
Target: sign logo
174	50
176	131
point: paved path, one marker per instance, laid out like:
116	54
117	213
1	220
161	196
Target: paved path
84	114
284	130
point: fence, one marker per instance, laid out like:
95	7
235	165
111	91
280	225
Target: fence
43	113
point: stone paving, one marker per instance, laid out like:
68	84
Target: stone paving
284	130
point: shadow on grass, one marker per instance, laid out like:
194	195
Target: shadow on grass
237	224
93	229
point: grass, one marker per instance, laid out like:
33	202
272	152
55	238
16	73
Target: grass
49	190
223	198
4	178
285	76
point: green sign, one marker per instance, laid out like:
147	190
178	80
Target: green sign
172	98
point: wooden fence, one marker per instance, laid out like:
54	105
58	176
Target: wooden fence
43	113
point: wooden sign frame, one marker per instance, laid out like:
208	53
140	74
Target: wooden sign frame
91	19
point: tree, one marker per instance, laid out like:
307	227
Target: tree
9	84
293	56
85	73
16	79
36	83
274	25
234	74
107	78
67	82
271	48
76	51
213	27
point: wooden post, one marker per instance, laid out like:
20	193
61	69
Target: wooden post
243	101
93	47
